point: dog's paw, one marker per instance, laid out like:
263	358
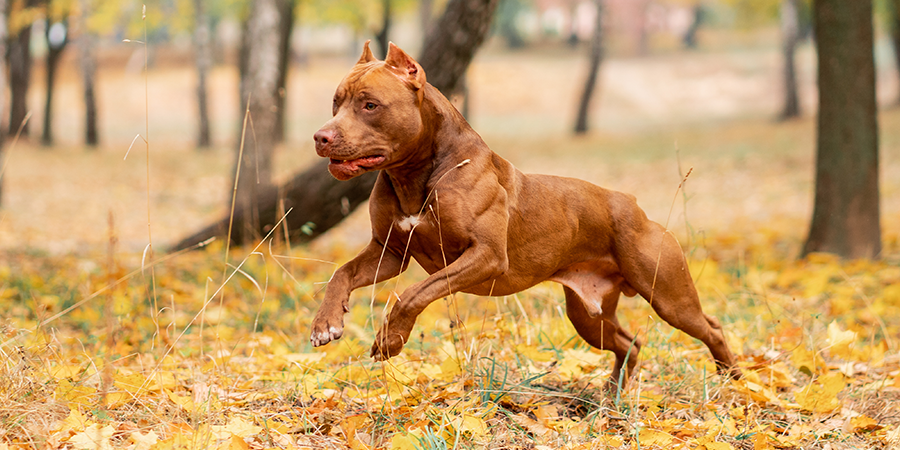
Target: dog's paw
325	331
386	347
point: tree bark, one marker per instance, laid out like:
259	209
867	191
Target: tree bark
895	36
287	27
320	201
846	216
19	60
55	47
790	35
202	61
88	64
452	44
4	35
252	176
581	120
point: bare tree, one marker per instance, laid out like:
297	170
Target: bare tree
4	7
284	42
790	36
846	215
581	120
259	92
202	61
894	6
57	34
318	200
19	61
88	64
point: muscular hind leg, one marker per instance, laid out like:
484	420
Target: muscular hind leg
673	295
604	332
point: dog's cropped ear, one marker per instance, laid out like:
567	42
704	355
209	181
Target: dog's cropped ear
405	66
367	55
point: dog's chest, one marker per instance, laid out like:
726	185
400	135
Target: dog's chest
432	243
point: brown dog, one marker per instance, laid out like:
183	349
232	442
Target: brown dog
479	225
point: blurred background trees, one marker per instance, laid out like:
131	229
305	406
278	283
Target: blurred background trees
263	41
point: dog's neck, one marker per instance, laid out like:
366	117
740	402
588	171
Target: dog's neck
434	153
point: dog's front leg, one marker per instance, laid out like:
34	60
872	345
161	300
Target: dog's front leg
370	266
477	265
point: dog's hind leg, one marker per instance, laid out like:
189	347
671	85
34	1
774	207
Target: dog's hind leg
604	332
659	272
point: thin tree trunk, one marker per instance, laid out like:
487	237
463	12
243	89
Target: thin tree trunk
319	201
790	35
19	78
895	36
287	27
4	34
88	65
56	44
581	121
253	163
846	215
202	61
383	36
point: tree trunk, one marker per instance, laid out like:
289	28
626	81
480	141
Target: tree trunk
287	27
690	36
253	162
88	65
846	216
320	201
452	44
383	36
203	61
790	35
4	10
895	36
57	38
581	121
19	60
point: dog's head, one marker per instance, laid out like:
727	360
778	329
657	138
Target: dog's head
377	120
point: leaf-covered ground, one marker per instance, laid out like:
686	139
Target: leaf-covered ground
108	353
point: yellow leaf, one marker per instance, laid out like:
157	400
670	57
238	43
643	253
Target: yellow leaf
93	437
648	437
531	425
75	421
234	443
65	371
408	441
468	424
143	441
839	340
806	361
864	423
183	401
242	428
821	395
533	353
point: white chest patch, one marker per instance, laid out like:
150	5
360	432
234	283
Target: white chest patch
409	222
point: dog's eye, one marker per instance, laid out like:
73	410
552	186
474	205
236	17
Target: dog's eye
370	106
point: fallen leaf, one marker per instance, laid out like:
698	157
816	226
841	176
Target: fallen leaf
820	396
93	437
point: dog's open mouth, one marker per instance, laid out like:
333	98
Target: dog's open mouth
365	162
345	169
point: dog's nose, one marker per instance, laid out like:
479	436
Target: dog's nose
323	138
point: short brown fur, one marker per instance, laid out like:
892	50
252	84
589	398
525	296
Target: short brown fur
476	224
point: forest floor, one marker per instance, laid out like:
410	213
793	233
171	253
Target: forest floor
105	346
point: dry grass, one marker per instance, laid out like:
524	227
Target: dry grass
521	370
